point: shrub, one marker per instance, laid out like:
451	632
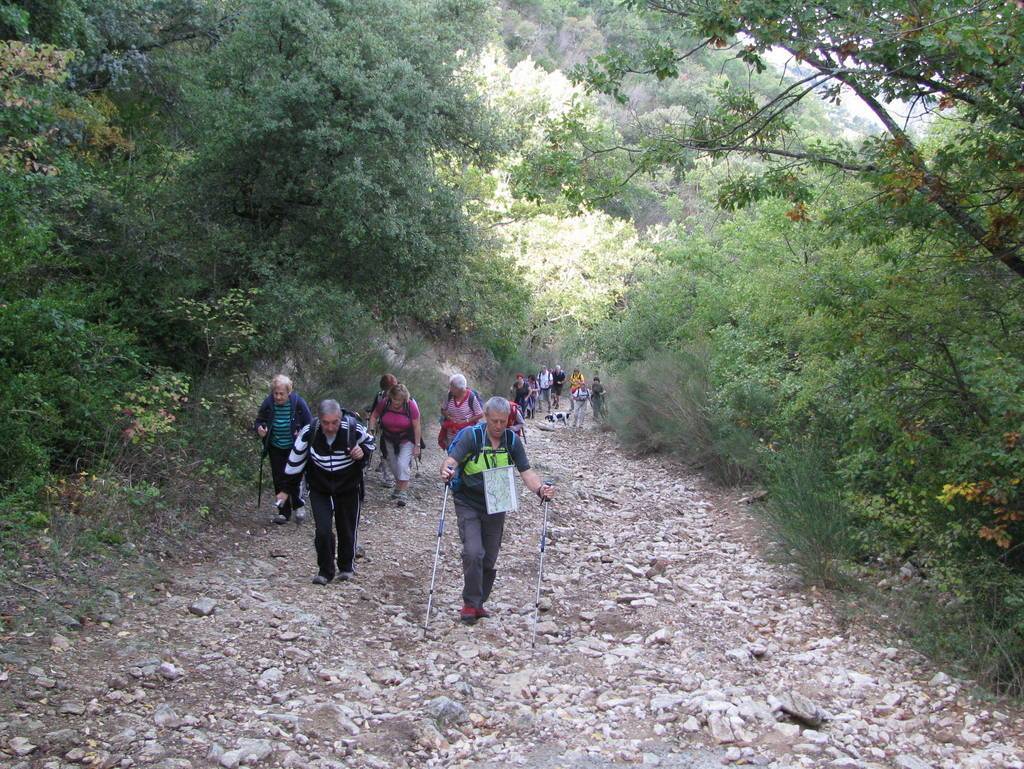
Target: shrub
810	521
662	404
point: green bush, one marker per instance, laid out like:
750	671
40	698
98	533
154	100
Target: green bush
662	404
809	520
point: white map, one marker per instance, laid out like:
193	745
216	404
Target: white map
500	490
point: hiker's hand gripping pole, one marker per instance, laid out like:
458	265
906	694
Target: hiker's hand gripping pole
544	505
437	554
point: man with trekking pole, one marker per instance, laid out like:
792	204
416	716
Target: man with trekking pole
479	470
332	452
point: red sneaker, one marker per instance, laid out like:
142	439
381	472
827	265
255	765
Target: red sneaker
468	615
482	613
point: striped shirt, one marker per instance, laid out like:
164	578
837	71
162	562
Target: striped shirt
331	463
461	414
281	426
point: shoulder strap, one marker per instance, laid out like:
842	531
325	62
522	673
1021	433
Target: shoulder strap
351	428
313	427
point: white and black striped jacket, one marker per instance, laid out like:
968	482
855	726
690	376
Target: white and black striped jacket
332	469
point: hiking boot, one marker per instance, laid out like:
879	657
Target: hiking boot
345	576
320	579
300	514
280	519
482	613
360	552
400	499
468	615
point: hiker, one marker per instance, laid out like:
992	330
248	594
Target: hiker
520	392
580	396
531	401
387	381
544	383
461	408
576	380
398	417
332	452
516	420
477	448
557	380
597	393
281	416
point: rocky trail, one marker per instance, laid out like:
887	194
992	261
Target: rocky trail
666	641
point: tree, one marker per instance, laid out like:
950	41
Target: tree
961	60
323	128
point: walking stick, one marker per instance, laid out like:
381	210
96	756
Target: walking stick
540	571
437	555
263	456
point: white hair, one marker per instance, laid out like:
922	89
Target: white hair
282	380
458	381
497	405
328	407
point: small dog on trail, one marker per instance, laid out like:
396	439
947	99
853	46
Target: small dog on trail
559	417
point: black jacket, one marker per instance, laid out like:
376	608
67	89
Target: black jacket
329	468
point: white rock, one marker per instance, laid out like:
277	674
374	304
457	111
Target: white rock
721	728
169	671
271	676
447	711
20	746
667	701
691	725
165	716
662	636
911	762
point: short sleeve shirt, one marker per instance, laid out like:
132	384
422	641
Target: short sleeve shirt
396	422
471	490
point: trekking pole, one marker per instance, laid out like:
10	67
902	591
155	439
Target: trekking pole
263	456
259	494
540	570
437	555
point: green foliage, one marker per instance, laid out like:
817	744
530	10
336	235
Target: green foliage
330	147
189	189
956	56
809	517
878	383
662	404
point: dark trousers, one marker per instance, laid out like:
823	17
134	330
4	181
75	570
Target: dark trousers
481	540
340	510
278	462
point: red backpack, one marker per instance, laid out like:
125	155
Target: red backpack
515	420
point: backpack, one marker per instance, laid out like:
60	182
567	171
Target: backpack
381	395
513	414
410	433
477	432
351	421
472	394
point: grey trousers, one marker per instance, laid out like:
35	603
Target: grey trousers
481	539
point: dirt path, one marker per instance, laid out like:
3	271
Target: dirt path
668	642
